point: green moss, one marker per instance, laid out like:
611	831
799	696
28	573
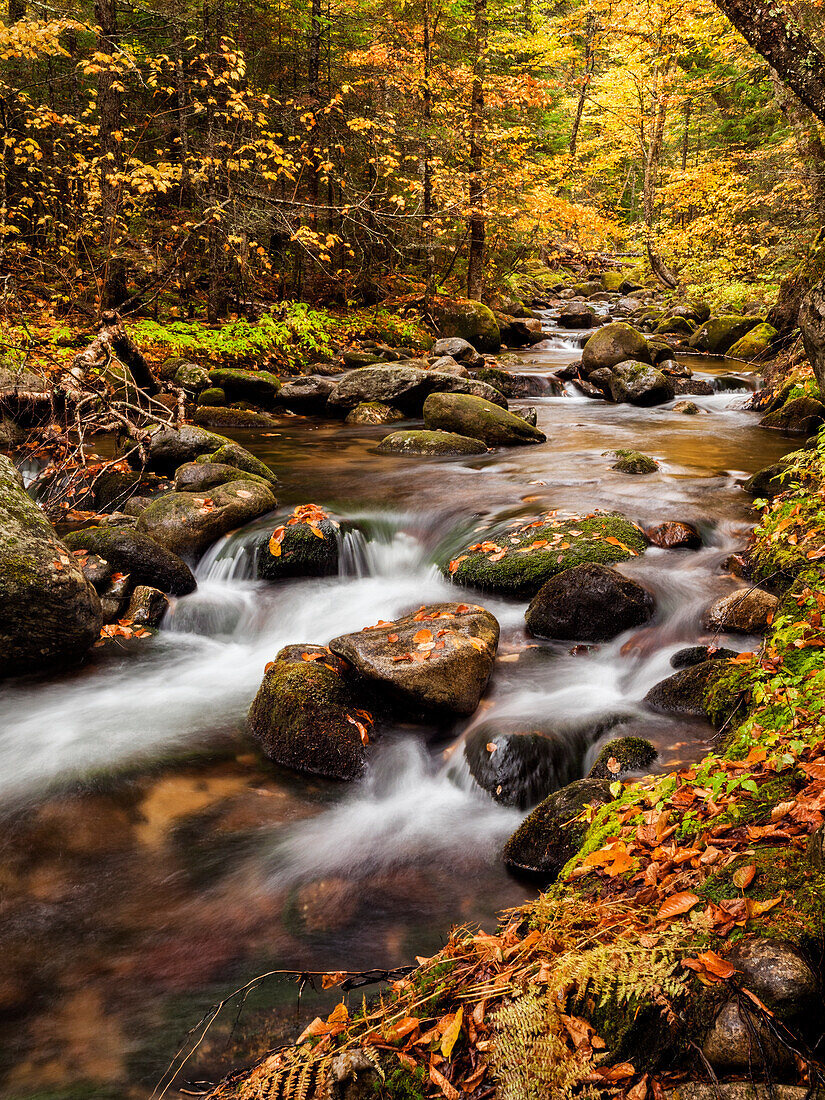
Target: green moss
634	462
403	1084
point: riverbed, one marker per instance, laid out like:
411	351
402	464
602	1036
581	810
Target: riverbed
152	861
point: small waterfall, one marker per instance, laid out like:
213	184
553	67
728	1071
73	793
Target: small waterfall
377	556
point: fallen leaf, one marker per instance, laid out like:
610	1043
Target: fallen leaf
677	904
744	876
452	1033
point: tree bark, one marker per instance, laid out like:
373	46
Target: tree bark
589	65
808	142
788	50
477	221
111	154
112	339
653	156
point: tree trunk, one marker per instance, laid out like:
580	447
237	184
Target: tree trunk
787	49
589	65
808	142
477	222
427	168
653	156
17	10
111	154
812	324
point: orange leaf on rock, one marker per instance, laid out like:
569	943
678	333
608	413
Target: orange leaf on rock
423	636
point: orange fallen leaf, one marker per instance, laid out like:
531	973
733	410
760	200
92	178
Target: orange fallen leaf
677	904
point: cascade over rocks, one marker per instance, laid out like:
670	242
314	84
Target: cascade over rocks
307	545
473	416
404	388
129	551
49	612
438	658
588	603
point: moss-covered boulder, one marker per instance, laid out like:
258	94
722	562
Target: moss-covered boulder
129	551
230	416
519	559
258	387
612	344
304	718
588	603
188	523
213	397
801	414
553	833
720	333
436	659
770	481
171	447
754	344
307	394
373	412
233	454
697	654
634	383
612	280
621	757
634	462
430	443
472	416
306	545
686	692
197	477
49	612
471	320
675	326
192	378
404	387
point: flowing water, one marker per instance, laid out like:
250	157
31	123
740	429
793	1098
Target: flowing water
151	861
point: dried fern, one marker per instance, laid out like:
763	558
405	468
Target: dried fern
531	1060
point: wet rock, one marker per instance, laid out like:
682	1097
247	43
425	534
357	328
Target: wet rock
114	599
800	414
612	344
300	718
170	448
621	757
197	477
775	972
303	552
470	320
188	523
445	364
192	378
720	333
472	416
698	654
231	417
460	351
577	315
233	454
357	357
405	388
638	383
95	569
674	535
686	408
770	481
306	395
298	652
634	462
747	611
692	387
373	412
755	344
430	443
259	387
555	830
588	603
515	384
529	413
49	612
213	397
684	692
147	607
738	1040
542	548
132	552
518	332
445	656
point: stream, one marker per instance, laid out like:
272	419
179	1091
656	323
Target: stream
151	861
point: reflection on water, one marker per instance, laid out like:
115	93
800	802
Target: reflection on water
161	861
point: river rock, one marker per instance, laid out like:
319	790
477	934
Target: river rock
307	394
472	416
430	443
468	319
359	357
301	719
697	654
147	607
739	1040
621	757
258	387
720	333
692	387
686	408
460	351
197	477
96	571
637	383
373	412
755	344
213	397
684	692
542	548
612	344
188	523
232	416
747	611
445	656
49	612
129	551
775	972
303	552
577	315
800	414
674	535
170	447
233	454
634	462
555	830
115	599
588	603
403	387
770	481
675	326
192	378
445	364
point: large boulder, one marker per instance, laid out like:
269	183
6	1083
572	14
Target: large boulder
685	692
307	394
555	830
461	351
612	344
258	387
373	412
187	523
635	383
49	613
468	415
754	344
197	477
437	659
518	560
305	717
404	387
801	414
747	611
430	443
720	333
128	551
306	545
577	315
812	325
470	320
621	757
588	603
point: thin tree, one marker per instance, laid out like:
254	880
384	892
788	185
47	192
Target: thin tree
477	220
